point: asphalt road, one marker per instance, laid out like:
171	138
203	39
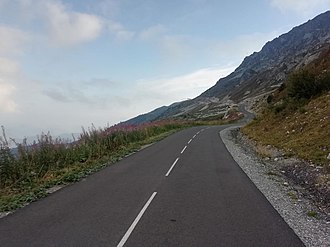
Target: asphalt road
183	191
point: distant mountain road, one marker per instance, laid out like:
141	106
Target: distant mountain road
248	116
183	191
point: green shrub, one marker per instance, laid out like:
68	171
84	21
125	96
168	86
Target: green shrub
299	88
305	84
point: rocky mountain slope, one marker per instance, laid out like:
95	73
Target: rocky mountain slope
148	117
263	70
293	129
259	73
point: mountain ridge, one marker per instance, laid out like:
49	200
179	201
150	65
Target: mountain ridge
282	55
259	73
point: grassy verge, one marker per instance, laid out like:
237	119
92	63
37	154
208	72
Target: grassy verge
27	175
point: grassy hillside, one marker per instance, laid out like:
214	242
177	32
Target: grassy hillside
304	131
296	118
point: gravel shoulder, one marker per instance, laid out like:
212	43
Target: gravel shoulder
310	222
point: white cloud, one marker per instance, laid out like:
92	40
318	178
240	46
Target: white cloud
7	104
119	103
92	93
170	45
119	32
72	94
8	67
175	46
11	43
152	33
64	26
12	40
57	95
69	27
303	7
149	94
182	87
107	8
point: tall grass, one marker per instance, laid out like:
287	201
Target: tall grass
27	171
48	157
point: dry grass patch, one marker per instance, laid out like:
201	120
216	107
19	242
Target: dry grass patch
305	133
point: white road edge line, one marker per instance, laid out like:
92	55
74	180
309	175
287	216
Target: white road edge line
189	141
169	171
194	136
183	149
136	221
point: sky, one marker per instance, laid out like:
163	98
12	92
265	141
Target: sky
65	64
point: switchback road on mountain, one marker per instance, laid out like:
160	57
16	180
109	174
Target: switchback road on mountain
185	190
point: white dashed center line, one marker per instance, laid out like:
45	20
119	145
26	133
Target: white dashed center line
136	221
169	171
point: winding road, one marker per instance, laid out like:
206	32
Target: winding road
185	190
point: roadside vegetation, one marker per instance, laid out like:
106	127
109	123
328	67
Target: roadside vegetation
296	118
30	172
27	172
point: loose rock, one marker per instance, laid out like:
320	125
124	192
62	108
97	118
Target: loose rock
312	231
